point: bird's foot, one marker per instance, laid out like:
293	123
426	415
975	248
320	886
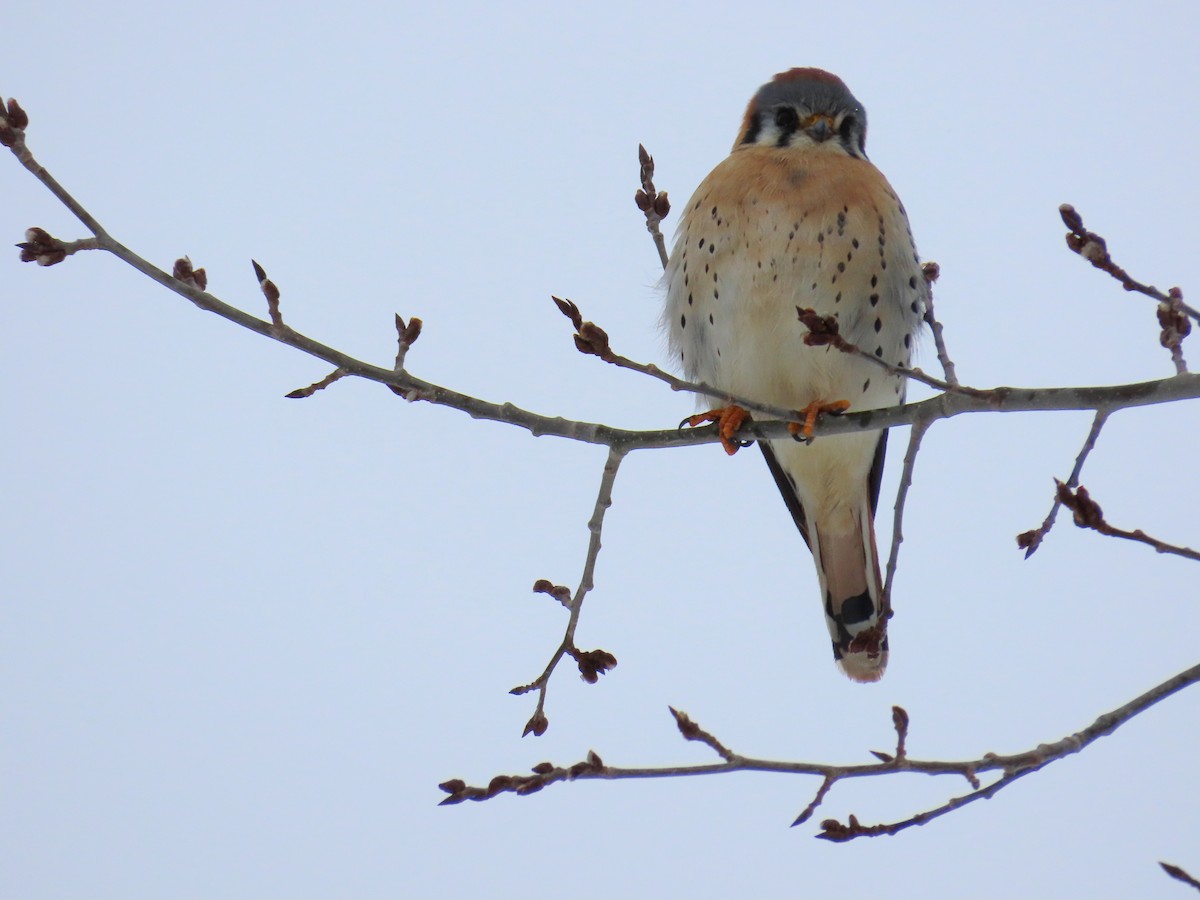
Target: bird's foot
803	431
729	419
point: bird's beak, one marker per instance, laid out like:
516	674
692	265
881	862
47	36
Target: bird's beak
819	127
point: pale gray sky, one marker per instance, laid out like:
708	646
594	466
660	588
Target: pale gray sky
245	637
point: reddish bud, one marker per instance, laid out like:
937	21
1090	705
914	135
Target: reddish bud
17	117
1070	217
593	663
536	725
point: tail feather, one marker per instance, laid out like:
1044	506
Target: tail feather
848	569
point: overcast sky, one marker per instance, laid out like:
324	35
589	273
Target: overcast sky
244	637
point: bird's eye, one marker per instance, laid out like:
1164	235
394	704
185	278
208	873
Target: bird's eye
786	119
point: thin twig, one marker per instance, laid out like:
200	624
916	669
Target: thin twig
920	426
406	335
828	782
826	331
1031	540
1094	249
931	271
1089	515
301	393
592	663
693	732
1175	327
1012	767
652	202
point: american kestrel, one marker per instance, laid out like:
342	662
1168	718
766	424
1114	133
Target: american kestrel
797	217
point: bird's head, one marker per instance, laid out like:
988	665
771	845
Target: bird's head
806	109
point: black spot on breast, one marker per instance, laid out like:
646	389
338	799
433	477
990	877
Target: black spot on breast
841	267
907	340
716	294
712	248
710	319
866	384
821	237
874	280
879	352
841	223
700	243
838	298
689	299
683	321
912	282
854	243
878	325
874	298
916	307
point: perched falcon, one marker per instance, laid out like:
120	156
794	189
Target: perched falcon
797	217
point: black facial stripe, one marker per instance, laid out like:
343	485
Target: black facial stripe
754	129
788	123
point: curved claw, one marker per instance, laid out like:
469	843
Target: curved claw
728	420
804	431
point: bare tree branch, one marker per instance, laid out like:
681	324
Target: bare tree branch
1094	249
592	663
653	203
1089	515
906	478
825	330
1029	541
1001	399
954	399
1012	767
931	271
